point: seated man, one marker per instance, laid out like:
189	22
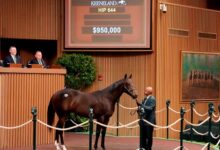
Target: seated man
13	58
38	59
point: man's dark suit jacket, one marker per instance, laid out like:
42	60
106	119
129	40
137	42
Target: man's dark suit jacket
34	61
149	106
9	60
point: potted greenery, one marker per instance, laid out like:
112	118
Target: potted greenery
81	70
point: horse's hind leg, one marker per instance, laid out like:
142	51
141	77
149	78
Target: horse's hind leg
60	124
98	128
62	141
56	142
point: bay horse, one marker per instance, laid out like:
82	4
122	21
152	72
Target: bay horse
102	101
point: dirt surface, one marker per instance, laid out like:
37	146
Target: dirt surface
75	141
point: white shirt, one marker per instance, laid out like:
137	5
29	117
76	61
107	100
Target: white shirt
14	58
39	61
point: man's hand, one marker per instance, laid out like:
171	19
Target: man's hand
139	104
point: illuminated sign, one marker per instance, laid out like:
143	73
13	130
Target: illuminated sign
114	24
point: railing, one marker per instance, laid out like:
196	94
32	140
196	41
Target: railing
137	123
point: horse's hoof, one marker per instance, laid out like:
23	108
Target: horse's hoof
95	147
103	147
57	145
63	147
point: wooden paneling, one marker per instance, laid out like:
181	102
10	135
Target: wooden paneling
22	89
29	19
169	47
196	3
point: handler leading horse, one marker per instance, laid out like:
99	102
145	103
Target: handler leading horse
103	103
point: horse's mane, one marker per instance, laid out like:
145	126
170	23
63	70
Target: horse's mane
110	87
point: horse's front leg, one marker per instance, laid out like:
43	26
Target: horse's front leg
103	134
98	128
103	138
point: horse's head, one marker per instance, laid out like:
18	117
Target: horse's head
129	87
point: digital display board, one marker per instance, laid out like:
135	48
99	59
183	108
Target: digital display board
116	24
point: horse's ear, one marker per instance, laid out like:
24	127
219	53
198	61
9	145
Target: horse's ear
125	76
130	76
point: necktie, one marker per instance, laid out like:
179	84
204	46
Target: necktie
145	101
40	62
14	59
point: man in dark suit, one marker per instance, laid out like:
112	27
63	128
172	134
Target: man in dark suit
149	106
38	59
13	58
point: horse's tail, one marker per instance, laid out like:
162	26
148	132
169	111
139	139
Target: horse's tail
50	114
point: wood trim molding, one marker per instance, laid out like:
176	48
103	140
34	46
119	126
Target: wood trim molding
32	70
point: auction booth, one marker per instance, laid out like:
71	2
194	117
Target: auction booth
21	90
